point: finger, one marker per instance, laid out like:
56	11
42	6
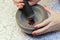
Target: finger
32	2
20	5
44	23
18	1
48	10
42	30
53	26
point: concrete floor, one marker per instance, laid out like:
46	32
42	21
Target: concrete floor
9	30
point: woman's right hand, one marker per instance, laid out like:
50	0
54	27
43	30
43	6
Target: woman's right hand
20	4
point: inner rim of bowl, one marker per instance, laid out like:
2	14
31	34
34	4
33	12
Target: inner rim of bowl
36	10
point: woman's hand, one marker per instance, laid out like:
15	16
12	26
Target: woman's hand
20	3
51	24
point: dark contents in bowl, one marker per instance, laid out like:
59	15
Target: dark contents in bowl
31	21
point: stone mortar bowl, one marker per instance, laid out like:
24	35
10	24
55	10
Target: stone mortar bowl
40	15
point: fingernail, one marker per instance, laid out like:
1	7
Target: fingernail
33	33
20	7
22	3
36	26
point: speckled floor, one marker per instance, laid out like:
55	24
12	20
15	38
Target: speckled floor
9	30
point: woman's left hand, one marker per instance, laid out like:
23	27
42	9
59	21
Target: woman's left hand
50	24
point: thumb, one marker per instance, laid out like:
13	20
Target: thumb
48	10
